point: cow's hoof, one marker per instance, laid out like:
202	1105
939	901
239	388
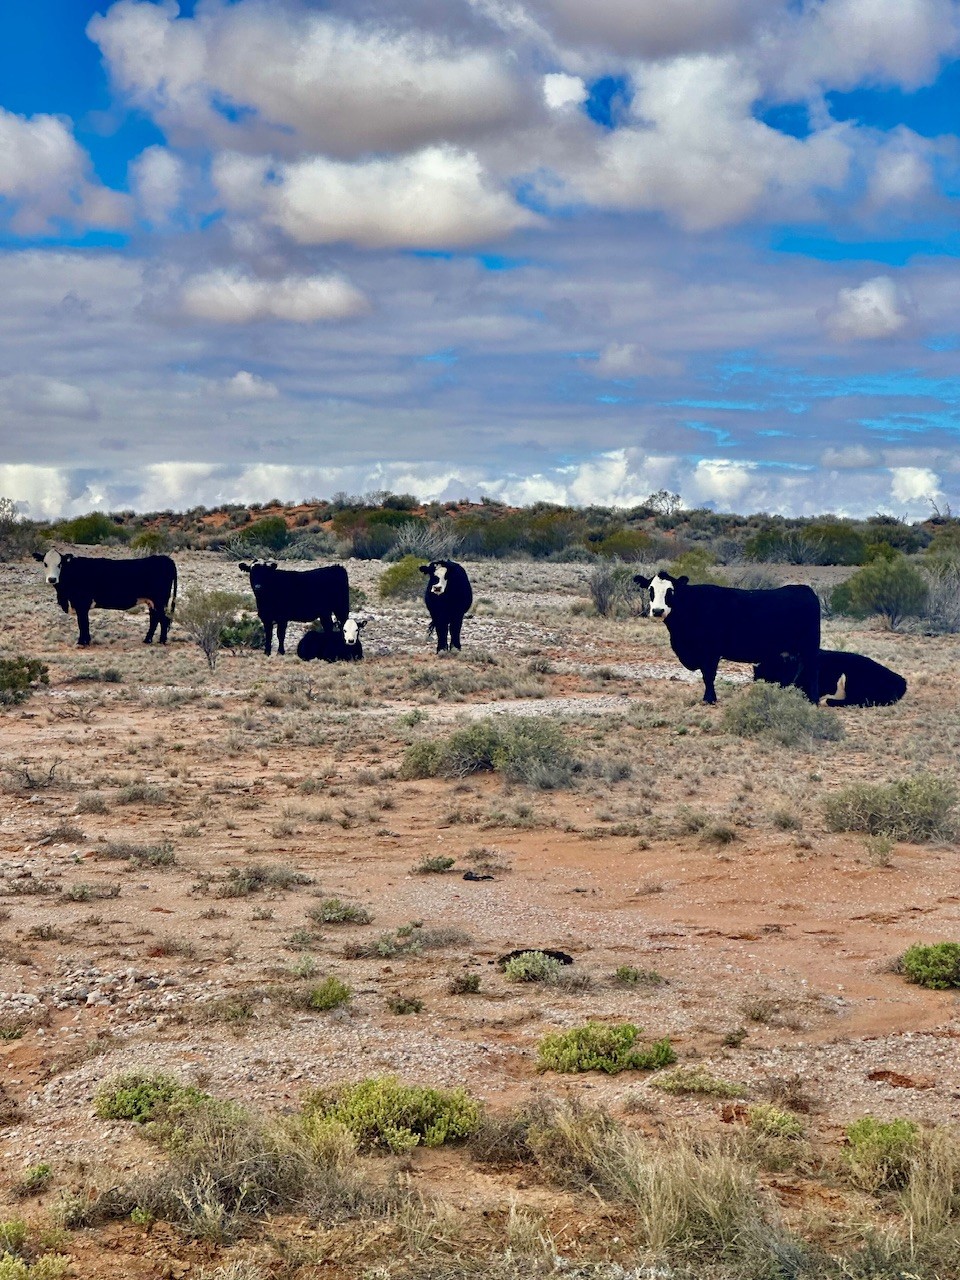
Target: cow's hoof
146	640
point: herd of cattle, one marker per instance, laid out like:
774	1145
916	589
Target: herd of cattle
777	630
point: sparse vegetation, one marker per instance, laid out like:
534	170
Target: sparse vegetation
598	1047
696	1080
935	965
781	715
18	679
879	1152
333	911
533	751
918	808
382	1112
532	966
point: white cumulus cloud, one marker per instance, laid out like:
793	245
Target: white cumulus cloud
158	176
41	397
631	360
250	386
914	484
229	297
872	310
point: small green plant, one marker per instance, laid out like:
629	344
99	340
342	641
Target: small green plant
404	1004
532	966
331	993
333	911
599	1047
18	678
13	1234
34	1179
140	855
936	965
892	588
258	878
141	1098
464	984
879	1152
786	716
525	749
773	1122
244	632
918	808
434	866
695	1080
625	975
382	1112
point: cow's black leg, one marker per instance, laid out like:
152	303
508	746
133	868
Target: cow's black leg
709	673
281	636
83	622
267	635
455	626
808	677
443	636
164	627
154	619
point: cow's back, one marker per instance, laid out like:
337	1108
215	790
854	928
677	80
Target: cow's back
745	626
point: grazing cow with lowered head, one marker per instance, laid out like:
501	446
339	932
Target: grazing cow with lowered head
284	595
448	596
707	623
865	683
334	646
87	582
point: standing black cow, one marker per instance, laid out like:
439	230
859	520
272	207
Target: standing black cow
448	597
865	683
86	582
707	623
284	595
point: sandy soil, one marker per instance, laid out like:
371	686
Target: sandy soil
773	935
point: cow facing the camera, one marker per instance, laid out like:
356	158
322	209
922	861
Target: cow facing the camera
94	582
852	679
448	597
707	623
285	595
333	646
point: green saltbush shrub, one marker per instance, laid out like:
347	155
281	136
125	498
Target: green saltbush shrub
532	966
382	1112
403	580
599	1047
936	965
17	678
879	1152
524	749
90	530
918	808
893	589
141	1097
786	716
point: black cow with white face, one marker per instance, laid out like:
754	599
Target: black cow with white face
334	646
707	623
92	582
285	595
448	597
852	679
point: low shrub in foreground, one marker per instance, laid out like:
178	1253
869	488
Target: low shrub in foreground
936	965
696	1080
786	716
599	1047
382	1112
879	1152
329	994
524	749
141	1098
18	677
917	808
532	966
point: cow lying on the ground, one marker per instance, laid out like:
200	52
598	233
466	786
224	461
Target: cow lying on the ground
865	683
448	596
93	582
707	623
333	646
284	595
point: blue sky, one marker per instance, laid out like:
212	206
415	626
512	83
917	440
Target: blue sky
541	251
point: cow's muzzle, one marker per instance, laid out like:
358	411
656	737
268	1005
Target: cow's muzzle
657	613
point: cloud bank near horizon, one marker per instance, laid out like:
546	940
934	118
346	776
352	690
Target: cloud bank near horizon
529	248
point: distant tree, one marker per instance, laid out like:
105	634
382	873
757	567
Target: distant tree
90	530
663	502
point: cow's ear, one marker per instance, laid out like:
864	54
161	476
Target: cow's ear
38	555
362	623
426	568
244	568
681	582
641	581
271	564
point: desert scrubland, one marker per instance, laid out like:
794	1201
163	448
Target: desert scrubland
189	856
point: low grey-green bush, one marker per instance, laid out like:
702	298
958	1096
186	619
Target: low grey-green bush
382	1112
18	678
919	808
780	715
879	1152
524	749
892	589
403	580
597	1046
532	966
936	965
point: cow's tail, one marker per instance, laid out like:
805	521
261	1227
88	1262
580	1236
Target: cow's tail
173	598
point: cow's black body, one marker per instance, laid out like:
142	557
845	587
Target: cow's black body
707	623
866	683
447	609
328	645
284	595
89	582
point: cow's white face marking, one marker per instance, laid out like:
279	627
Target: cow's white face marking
52	562
440	586
351	630
661	597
